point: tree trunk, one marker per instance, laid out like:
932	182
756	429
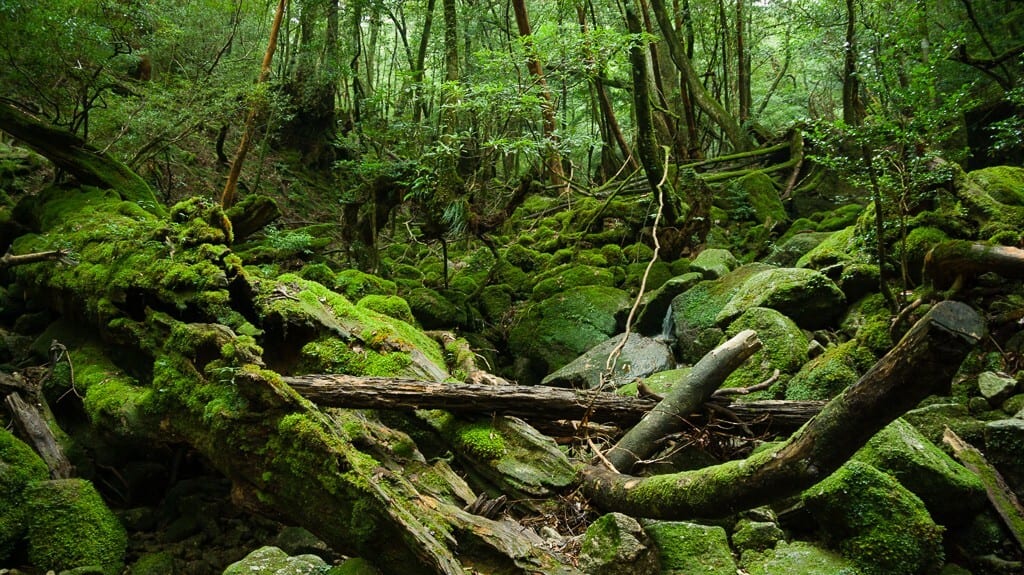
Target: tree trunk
419	109
718	114
960	258
547	106
668	417
921	364
851	84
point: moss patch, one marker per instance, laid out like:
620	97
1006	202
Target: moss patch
19	467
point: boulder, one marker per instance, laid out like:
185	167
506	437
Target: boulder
797	558
789	251
569	277
19	467
691	548
559	329
807	297
273	561
616	544
714	263
784	348
951	493
756	535
932	420
996	388
70	527
827	375
655	318
1004	444
875	522
640	357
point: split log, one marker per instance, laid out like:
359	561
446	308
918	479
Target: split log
999	494
536	404
960	258
73	155
684	398
33	429
922	363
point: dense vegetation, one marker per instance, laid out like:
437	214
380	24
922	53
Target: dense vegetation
201	202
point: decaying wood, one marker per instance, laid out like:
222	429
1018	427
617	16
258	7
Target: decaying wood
684	398
960	258
73	155
33	429
922	363
9	259
999	494
536	404
251	215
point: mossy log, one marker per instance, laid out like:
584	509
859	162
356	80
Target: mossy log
534	403
195	331
963	259
31	426
922	363
73	155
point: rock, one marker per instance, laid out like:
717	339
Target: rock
354	566
996	388
691	549
272	561
951	493
389	305
784	348
616	544
432	310
932	420
694	311
827	375
569	277
788	252
797	558
160	563
355	284
807	297
299	541
756	535
714	263
655	318
868	322
19	467
640	357
658	383
841	248
1004	444
69	526
875	522
561	328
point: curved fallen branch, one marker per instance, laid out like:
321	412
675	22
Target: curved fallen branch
922	363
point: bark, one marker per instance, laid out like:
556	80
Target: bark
999	493
961	258
251	215
73	155
718	114
851	83
33	429
685	398
227	197
419	107
535	403
921	364
547	105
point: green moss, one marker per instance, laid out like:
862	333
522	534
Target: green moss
571	277
354	284
479	440
692	548
612	254
697	307
320	273
19	467
389	305
830	373
843	246
875	521
69	526
659	274
797	558
756	535
838	218
868	322
784	348
637	253
807	297
159	563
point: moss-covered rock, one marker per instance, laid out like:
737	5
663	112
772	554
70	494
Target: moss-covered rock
616	544
753	197
714	263
694	311
19	467
570	277
159	563
950	492
784	348
797	558
691	548
787	251
639	357
69	526
557	330
658	274
659	383
807	297
756	535
274	561
655	317
389	305
1004	444
433	311
842	247
827	375
355	284
932	420
354	566
876	522
868	322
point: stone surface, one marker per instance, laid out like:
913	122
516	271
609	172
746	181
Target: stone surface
616	544
1004	448
273	561
714	263
807	297
756	535
640	357
797	558
995	387
691	548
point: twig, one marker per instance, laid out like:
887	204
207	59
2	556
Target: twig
724	391
63	256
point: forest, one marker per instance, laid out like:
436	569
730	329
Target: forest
325	287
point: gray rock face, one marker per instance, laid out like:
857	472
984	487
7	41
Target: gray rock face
1004	444
996	388
640	357
616	544
714	263
273	561
807	297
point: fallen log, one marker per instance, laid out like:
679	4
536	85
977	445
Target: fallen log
33	430
960	258
684	398
534	403
922	363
